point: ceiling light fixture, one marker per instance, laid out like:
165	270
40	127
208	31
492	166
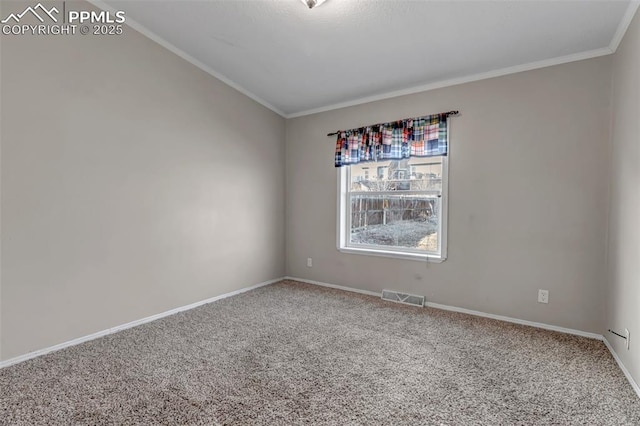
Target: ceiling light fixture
312	3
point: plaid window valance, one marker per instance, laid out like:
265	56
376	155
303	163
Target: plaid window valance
414	137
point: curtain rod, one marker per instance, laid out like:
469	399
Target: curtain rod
380	124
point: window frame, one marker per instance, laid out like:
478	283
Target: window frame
344	218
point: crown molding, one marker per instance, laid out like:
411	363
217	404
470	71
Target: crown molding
624	25
461	80
184	55
615	42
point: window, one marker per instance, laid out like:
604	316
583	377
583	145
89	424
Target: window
399	212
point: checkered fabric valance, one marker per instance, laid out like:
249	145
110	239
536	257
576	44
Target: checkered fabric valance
413	137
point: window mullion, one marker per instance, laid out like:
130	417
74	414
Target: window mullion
435	193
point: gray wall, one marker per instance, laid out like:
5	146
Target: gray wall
132	183
528	196
124	170
623	291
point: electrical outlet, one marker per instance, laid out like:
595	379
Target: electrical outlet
626	332
543	296
309	262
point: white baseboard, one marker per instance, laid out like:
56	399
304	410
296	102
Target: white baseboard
622	367
339	287
516	321
112	330
464	311
633	383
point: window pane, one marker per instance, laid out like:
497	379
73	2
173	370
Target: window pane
407	221
415	174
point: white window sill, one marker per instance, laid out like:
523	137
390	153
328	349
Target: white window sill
393	254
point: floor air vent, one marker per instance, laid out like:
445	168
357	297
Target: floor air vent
407	299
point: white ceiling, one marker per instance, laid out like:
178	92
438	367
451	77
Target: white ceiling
296	61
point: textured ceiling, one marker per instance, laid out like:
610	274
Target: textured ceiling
297	60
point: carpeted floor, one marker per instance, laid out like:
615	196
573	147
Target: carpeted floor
293	353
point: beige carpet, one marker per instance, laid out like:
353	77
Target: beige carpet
292	353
